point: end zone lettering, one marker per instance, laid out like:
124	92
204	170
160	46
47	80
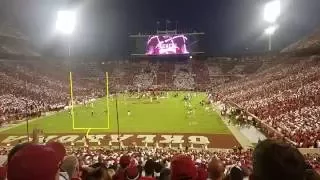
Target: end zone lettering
127	139
220	141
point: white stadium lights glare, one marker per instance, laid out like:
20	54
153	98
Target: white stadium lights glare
66	22
272	11
270	30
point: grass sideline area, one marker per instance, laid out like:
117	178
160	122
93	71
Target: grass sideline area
165	115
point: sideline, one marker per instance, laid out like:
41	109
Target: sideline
243	140
47	114
22	122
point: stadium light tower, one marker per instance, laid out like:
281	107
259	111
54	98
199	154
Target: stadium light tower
269	32
66	23
272	12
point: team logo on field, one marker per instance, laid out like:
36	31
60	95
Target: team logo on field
160	140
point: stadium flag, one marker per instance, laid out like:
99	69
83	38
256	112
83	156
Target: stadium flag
177	25
158	25
167	22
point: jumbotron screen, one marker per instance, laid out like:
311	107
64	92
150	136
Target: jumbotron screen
167	44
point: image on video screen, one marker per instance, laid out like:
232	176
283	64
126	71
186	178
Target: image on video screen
166	44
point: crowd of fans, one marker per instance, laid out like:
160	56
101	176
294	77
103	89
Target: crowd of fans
28	92
311	41
146	75
286	97
183	78
269	160
25	93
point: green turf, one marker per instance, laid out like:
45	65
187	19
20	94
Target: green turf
167	115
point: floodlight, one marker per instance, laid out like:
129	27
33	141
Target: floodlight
270	30
272	11
66	22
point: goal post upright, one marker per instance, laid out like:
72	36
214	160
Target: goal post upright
107	117
107	94
71	97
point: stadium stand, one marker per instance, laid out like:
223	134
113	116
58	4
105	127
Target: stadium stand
285	97
202	75
182	77
79	163
310	41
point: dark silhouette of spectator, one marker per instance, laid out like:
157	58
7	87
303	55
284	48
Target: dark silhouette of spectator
165	174
157	170
236	174
216	170
149	168
277	161
98	173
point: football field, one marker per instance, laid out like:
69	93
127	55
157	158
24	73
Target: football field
168	118
166	115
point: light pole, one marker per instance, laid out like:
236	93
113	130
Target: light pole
271	14
269	32
65	24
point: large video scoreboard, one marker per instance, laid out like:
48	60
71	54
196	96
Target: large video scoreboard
166	43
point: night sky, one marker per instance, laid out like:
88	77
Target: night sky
231	26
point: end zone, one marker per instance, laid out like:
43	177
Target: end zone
219	141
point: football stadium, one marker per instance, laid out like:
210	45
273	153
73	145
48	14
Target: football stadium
106	96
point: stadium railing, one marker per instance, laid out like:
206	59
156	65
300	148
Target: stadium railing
264	125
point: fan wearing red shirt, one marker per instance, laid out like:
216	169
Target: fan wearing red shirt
124	163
